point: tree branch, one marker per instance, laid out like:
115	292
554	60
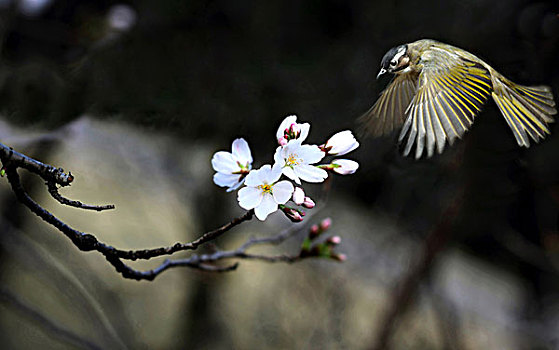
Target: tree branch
12	160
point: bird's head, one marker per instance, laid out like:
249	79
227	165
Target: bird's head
395	60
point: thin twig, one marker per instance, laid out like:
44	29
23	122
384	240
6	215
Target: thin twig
53	190
147	254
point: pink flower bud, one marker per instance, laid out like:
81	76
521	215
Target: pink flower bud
308	203
314	231
339	257
293	215
282	141
295	130
325	224
334	240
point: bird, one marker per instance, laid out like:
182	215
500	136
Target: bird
438	89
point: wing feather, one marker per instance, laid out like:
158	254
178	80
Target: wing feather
450	93
440	133
431	134
389	112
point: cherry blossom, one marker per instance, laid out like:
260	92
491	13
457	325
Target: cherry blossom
296	162
232	167
263	192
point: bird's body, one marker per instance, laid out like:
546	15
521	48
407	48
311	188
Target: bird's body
437	91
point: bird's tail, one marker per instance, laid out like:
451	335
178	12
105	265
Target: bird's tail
527	109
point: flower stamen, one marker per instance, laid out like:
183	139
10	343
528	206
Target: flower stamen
265	188
292	160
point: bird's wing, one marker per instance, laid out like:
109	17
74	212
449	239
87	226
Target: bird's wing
388	112
450	93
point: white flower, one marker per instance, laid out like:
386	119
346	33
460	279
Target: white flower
231	168
296	159
344	166
341	143
289	129
263	193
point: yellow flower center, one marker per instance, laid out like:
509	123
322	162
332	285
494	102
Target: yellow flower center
292	160
265	188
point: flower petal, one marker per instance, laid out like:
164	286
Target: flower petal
249	197
310	173
226	180
266	207
256	177
279	157
236	186
274	174
224	162
268	174
241	151
290	173
282	191
305	128
253	179
310	154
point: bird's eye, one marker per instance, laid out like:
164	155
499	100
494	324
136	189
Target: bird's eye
393	63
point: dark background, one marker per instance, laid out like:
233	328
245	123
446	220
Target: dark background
207	72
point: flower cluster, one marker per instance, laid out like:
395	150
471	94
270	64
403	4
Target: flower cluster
263	191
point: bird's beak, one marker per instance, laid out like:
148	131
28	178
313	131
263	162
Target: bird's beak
381	72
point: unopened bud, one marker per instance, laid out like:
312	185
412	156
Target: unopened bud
314	231
325	224
341	143
282	141
293	214
344	166
339	257
334	240
294	130
308	203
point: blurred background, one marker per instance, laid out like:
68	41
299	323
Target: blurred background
135	97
